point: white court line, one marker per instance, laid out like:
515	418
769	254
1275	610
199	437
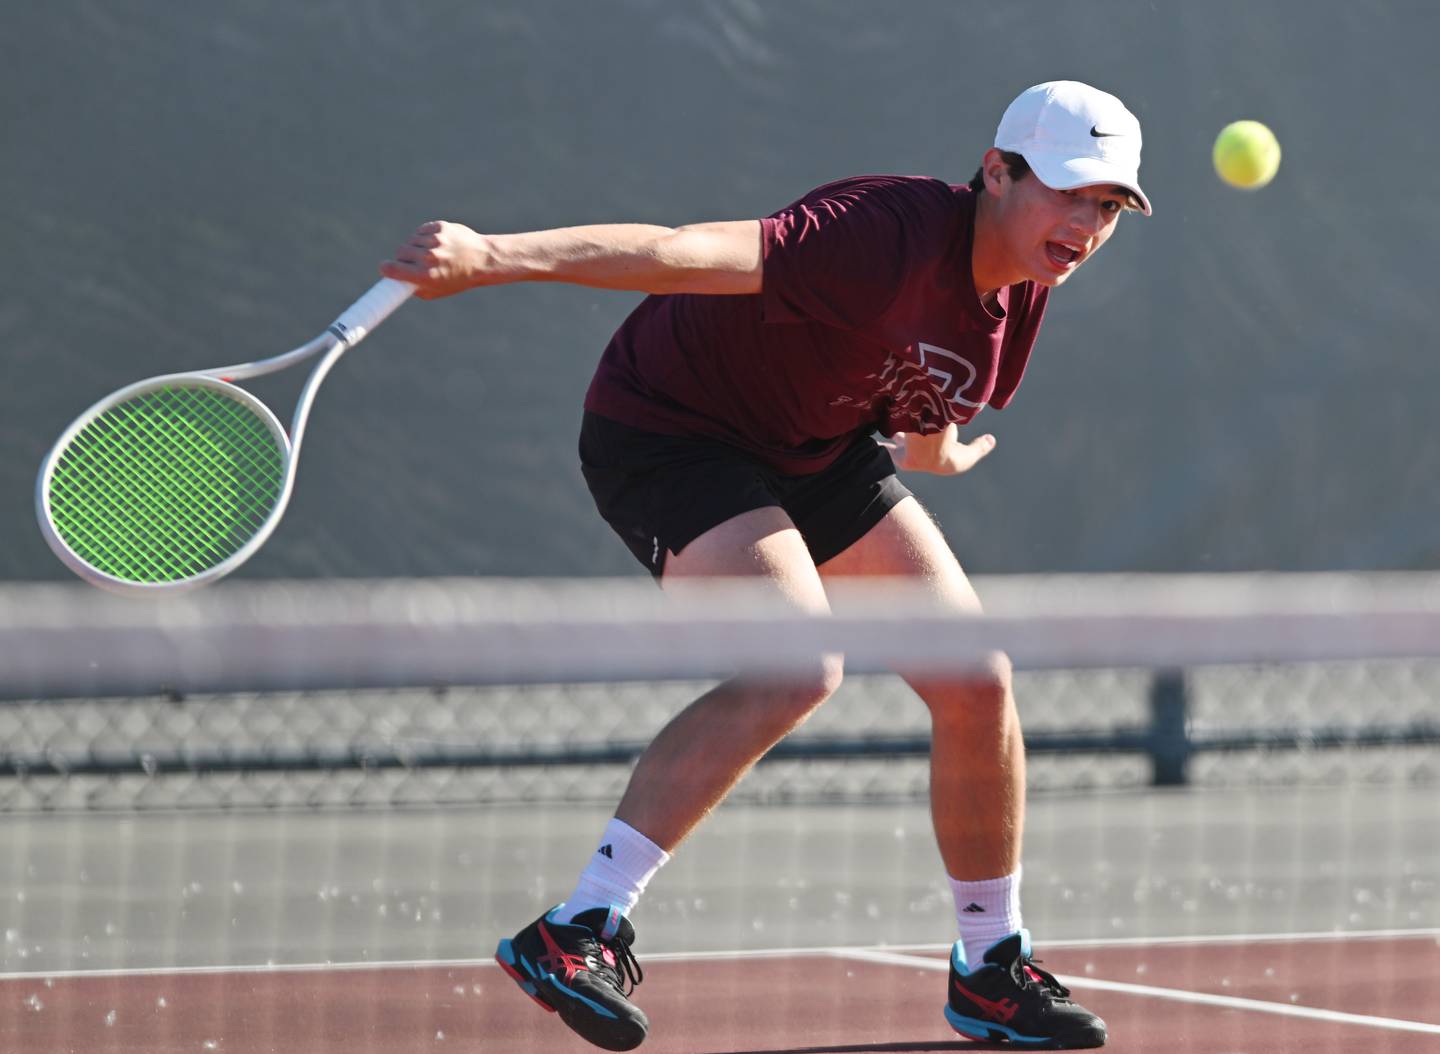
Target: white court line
1224	938
1095	942
1177	995
751	953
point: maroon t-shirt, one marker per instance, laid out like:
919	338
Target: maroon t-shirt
867	320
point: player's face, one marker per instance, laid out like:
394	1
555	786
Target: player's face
1049	233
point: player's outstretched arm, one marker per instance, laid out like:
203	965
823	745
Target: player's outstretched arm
441	258
941	453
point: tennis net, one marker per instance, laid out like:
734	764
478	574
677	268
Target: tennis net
439	692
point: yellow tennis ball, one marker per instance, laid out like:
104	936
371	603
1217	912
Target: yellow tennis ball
1247	154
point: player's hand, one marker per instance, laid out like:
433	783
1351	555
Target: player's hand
941	453
440	259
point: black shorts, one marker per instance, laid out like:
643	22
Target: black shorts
661	492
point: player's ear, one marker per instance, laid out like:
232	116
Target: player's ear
996	172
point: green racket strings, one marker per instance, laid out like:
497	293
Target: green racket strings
166	485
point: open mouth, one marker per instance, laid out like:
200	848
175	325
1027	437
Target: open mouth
1063	255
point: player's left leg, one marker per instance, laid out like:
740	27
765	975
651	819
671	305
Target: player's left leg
977	787
977	799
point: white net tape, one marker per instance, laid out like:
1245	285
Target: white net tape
62	641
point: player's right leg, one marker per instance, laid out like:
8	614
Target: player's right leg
704	751
576	959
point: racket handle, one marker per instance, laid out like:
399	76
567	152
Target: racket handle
370	310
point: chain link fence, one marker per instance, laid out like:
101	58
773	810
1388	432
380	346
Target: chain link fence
1090	730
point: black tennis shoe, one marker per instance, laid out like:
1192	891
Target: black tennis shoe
1008	997
583	970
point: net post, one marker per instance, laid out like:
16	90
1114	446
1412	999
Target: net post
1169	741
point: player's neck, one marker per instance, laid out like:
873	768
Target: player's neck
988	265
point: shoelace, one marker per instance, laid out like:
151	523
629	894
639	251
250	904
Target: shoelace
1025	972
633	974
629	966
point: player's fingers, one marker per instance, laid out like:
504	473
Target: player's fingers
973	451
419	275
401	272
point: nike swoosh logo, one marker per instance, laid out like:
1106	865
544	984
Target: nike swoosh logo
1095	131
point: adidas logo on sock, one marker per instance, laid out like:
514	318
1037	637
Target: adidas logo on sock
607	852
972	908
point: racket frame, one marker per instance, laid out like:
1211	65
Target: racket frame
343	334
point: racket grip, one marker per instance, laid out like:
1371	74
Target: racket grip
370	310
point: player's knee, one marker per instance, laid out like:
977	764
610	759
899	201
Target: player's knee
831	674
818	684
980	693
795	698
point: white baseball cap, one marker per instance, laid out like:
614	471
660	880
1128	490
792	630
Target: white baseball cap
1073	135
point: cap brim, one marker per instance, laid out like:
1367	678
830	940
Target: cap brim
1073	173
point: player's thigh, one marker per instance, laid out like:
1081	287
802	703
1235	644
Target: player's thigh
761	543
764	545
907	543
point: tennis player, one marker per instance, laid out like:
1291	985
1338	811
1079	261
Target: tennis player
729	430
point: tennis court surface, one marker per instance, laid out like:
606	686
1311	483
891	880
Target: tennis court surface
1242	921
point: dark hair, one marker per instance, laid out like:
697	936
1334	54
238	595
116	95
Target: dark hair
1019	168
1016	165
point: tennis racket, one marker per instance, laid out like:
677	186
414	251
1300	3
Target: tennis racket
173	482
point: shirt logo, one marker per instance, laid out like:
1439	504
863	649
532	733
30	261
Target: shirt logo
919	390
943	365
1095	131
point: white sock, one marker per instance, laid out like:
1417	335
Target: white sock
617	874
987	911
